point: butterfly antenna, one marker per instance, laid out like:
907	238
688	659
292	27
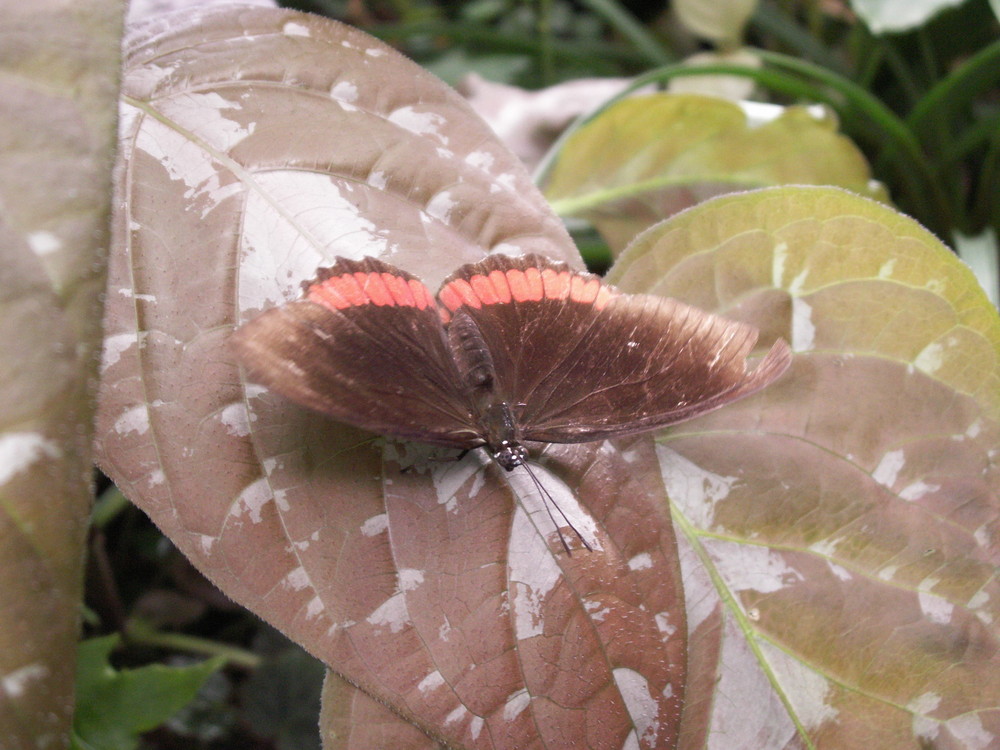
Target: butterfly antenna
549	502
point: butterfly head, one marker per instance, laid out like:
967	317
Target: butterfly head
509	454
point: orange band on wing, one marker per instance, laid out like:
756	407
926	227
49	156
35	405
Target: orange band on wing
528	285
375	289
401	293
364	288
584	290
557	283
483	288
500	286
459	292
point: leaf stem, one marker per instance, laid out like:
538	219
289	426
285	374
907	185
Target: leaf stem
956	90
625	24
138	631
730	602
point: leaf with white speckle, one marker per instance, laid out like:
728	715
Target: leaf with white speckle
840	534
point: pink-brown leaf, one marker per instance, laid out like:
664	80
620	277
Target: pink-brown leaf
258	145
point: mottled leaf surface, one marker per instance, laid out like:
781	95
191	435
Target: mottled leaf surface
256	146
839	531
648	157
58	92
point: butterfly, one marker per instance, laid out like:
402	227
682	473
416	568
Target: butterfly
510	350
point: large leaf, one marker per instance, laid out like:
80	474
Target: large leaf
58	91
648	157
841	533
258	145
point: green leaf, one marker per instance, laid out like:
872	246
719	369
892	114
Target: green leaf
840	528
648	157
114	707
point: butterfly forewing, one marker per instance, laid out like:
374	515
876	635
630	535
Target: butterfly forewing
366	347
579	361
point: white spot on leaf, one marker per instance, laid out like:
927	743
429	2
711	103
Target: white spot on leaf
885	270
135	420
19	450
419	123
297	579
752	568
480	159
295	29
842	573
515	704
43	242
15	683
375	525
642	561
410	578
456	715
969	730
236	419
314	607
345	91
888	469
441	206
662	620
808	691
253	498
930	358
778	264
392	613
449	477
114	346
430	682
533	575
935	608
696	490
803	329
476	726
918	490
887	573
640	703
596	610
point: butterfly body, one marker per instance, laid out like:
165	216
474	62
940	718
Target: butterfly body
511	349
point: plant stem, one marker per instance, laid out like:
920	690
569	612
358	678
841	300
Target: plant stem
138	631
545	54
625	24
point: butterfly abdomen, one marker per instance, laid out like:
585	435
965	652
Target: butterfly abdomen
471	354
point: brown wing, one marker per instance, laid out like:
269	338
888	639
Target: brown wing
367	347
580	361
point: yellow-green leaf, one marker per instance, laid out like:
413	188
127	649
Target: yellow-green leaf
649	157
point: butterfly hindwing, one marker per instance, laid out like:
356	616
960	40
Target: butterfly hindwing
366	347
578	360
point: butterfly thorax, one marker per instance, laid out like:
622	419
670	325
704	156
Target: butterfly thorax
503	439
477	373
